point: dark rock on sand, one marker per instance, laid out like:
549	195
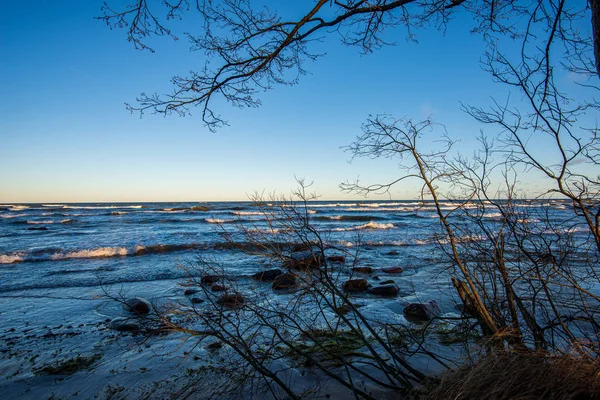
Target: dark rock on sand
363	270
40	228
284	281
209	279
338	259
355	285
137	305
218	288
231	300
393	270
123	324
422	311
189	292
385	290
267	276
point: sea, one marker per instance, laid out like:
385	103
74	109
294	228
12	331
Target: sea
62	265
74	245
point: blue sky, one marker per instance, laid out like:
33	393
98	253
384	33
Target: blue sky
66	136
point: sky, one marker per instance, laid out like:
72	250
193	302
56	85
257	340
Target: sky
66	136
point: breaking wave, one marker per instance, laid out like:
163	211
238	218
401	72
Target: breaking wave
368	225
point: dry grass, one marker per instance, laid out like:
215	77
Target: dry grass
532	376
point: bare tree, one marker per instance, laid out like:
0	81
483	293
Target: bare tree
250	48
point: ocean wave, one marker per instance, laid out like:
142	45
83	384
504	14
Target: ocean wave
216	220
66	221
119	213
10	258
48	222
53	254
247	213
10	216
368	225
18	208
356	218
100	207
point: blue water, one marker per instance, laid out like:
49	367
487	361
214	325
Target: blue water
84	244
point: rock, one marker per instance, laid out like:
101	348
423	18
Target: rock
123	324
41	228
199	208
189	292
196	300
218	288
231	300
337	259
209	279
284	281
355	285
303	247
268	275
385	290
392	253
137	305
393	270
421	311
363	270
304	260
388	282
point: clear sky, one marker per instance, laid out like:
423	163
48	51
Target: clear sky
65	135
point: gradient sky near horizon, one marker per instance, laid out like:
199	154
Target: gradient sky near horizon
65	135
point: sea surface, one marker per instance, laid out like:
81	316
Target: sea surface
46	246
63	265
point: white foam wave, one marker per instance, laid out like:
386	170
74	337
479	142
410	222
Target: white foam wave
10	258
12	215
247	213
215	220
493	215
66	221
368	225
53	205
40	222
92	253
18	208
100	207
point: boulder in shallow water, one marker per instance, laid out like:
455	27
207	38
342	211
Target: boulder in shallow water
231	300
123	324
421	312
189	292
284	281
337	259
196	300
137	305
363	270
218	288
39	228
385	290
355	285
304	260
267	276
210	279
393	270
